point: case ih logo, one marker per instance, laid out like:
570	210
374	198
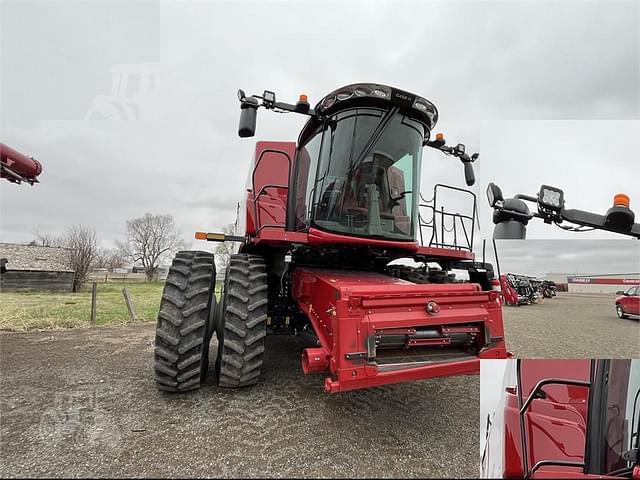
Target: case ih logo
402	96
604	281
579	280
402	99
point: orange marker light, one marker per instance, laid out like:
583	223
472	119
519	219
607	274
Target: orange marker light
303	98
621	200
440	136
201	235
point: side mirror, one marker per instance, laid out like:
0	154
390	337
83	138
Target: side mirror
248	115
469	176
494	194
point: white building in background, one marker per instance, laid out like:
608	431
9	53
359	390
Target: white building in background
595	283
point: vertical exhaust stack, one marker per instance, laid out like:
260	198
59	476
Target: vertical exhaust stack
17	167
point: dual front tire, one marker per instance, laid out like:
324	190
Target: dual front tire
190	315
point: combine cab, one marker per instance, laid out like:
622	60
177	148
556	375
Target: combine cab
330	253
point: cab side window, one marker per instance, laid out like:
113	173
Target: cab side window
306	165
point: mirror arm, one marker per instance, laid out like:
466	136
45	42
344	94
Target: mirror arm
588	219
529	198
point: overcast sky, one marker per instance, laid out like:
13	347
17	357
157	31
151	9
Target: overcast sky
539	257
547	92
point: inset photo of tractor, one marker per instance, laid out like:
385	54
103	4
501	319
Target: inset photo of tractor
560	418
570	298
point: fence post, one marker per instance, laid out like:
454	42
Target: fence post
127	299
94	294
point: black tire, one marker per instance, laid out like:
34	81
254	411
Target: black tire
620	311
242	326
183	329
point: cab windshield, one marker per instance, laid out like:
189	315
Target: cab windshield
359	174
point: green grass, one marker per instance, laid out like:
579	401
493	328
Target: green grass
29	310
26	310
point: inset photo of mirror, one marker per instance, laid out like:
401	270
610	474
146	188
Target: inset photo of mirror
560	418
573	179
569	298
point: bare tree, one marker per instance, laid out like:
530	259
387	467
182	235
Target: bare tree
224	250
83	246
110	259
151	238
46	239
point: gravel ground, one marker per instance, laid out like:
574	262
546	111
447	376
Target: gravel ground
571	326
83	402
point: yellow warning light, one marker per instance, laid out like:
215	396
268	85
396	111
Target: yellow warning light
215	236
440	136
621	200
201	235
303	98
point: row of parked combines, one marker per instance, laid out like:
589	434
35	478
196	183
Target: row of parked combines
524	290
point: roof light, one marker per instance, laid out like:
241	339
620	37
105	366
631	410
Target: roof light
439	136
621	200
551	198
303	98
201	235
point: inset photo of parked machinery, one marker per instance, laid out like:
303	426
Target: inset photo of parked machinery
569	298
560	418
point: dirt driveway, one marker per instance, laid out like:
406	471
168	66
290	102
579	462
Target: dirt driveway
83	403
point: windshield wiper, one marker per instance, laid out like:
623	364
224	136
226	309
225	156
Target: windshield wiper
382	126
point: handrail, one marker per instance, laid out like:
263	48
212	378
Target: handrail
439	216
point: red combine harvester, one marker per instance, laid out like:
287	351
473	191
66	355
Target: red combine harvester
566	419
17	167
325	218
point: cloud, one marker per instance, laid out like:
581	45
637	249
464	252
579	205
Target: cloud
540	257
477	61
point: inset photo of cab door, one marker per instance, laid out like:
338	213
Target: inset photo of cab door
560	418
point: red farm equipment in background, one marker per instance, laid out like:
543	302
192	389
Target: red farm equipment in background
565	419
330	253
17	167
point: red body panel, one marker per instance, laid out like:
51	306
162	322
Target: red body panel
25	166
349	308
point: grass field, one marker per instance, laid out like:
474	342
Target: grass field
26	310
